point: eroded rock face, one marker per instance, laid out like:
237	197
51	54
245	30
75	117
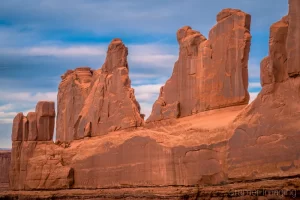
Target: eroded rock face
226	146
265	143
72	92
107	102
111	104
27	132
4	168
209	74
293	45
274	66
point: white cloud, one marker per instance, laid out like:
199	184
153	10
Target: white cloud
7	117
131	15
254	85
28	96
146	109
147	93
166	61
254	68
148	88
7	114
155	48
154	55
146	96
6	107
253	95
142	75
57	51
67	51
6	120
21	102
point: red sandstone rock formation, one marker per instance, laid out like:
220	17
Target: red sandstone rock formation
72	92
47	172
209	74
4	169
293	45
265	143
104	101
274	66
248	142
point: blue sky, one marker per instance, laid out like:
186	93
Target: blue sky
40	40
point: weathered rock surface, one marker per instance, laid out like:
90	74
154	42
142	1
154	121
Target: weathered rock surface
235	147
72	92
209	74
102	103
4	168
170	153
48	172
293	45
265	141
274	66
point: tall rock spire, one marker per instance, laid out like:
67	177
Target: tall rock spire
96	102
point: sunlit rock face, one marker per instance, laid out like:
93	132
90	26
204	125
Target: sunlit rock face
209	73
5	157
237	146
94	103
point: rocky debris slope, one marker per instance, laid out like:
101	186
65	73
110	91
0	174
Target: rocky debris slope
209	74
4	168
28	132
94	103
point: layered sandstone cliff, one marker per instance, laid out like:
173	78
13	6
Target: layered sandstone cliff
234	146
209	74
94	103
